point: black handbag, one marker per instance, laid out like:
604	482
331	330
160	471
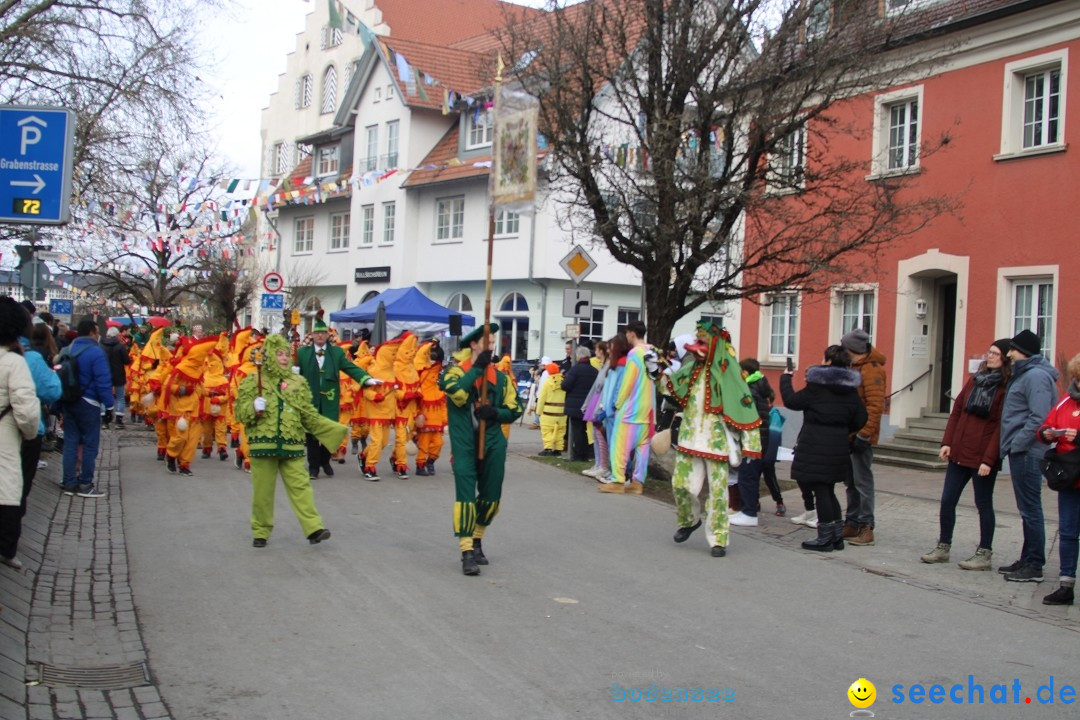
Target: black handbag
1061	470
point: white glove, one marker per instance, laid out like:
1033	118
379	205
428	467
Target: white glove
260	404
296	369
373	381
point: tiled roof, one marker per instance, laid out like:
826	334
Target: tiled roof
446	164
303	170
459	70
441	22
930	17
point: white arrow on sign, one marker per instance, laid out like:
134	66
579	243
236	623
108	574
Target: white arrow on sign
38	183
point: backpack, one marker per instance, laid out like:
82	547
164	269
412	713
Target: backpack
67	368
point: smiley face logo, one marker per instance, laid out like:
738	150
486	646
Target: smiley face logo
862	693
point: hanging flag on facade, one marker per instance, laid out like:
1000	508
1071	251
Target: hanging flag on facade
335	16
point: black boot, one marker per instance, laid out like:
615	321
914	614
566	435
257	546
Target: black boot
824	541
469	565
838	536
683	534
478	552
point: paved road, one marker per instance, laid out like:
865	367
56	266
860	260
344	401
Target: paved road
585	591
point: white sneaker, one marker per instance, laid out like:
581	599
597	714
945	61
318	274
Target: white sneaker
743	520
591	472
42	464
811	523
805	518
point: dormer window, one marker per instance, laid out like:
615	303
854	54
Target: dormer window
329	159
479	129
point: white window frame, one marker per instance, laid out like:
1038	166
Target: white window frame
594	324
371	161
378	95
303	152
390	91
1009	278
279	158
622	318
838	293
507	224
899	7
329	160
1013	104
883	105
449	219
305	88
393	141
304	235
476	138
818	19
389	222
329	91
367	225
768	309
458	302
339	232
787	163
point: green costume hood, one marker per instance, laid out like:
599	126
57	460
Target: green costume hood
271	369
726	392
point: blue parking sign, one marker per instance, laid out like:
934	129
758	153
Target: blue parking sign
35	164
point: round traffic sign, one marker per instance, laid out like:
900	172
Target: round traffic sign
273	282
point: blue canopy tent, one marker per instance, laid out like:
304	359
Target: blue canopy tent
406	309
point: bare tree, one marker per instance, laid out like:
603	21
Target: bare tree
302	284
128	68
690	139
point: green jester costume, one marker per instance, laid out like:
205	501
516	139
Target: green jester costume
477	483
276	436
718	428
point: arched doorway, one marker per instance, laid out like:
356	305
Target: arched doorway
311	307
369	295
513	319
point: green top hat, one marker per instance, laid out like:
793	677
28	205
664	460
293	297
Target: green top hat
319	325
477	335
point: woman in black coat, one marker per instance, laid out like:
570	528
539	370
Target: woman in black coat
577	383
832	412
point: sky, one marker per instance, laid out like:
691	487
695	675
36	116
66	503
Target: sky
245	48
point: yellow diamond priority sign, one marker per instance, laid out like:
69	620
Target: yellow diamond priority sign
578	264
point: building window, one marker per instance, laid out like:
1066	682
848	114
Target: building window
390	91
378	95
592	327
857	311
339	231
479	127
459	302
305	88
717	320
367	219
329	159
818	18
329	90
1033	116
279	158
450	218
787	161
514	326
350	70
370	295
507	223
897	131
896	7
371	162
1042	105
783	311
303	152
303	235
389	220
625	317
392	129
331	37
1033	309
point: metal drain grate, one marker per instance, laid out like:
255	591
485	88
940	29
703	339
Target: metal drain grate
108	677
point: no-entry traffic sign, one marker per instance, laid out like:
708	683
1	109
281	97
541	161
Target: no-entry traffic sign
273	282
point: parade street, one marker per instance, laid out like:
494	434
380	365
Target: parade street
586	597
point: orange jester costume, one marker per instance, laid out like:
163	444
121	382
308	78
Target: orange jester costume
217	396
350	397
380	405
184	402
154	365
408	401
431	422
244	344
359	421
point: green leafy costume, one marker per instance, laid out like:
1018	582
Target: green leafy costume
276	438
719	418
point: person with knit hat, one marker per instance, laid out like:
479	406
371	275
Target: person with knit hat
1030	395
551	408
275	406
869	362
321	364
971	446
477	481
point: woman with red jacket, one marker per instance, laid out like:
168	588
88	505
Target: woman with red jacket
971	447
1061	427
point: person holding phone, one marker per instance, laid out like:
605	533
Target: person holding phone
970	444
1061	427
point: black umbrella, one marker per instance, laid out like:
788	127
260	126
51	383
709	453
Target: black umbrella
378	332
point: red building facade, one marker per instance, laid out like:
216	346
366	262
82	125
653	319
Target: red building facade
934	302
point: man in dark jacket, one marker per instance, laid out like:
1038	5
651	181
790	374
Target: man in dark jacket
1029	396
82	418
750	468
117	352
577	383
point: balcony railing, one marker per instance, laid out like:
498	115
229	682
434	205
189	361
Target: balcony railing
378	162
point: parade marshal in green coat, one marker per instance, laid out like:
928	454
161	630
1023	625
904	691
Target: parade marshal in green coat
321	364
